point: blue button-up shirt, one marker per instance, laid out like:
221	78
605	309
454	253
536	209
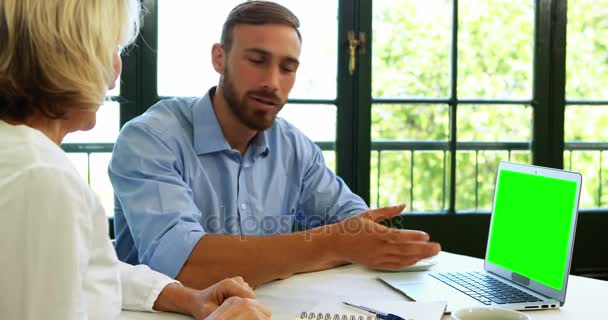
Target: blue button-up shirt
176	178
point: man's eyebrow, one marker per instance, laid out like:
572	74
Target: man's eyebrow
258	50
291	60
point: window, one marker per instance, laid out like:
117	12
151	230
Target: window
428	106
586	116
453	90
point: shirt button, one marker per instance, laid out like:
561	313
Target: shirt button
243	206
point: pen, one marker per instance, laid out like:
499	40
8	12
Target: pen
379	315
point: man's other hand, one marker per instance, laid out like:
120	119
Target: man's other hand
362	239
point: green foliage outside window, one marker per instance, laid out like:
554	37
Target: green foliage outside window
412	59
587	79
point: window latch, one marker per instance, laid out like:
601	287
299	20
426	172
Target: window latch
353	44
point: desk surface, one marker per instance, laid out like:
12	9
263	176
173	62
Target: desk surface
287	298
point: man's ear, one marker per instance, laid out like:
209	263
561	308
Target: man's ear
218	58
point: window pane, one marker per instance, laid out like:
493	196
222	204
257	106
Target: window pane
476	170
410	122
466	180
430	181
592	165
587	50
374	182
524	157
586	123
416	178
476	178
330	160
586	71
106	129
411	48
188	29
100	182
318	122
390	178
495	49
494	123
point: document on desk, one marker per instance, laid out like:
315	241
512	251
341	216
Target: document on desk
408	310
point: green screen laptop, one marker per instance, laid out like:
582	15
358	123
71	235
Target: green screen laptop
529	248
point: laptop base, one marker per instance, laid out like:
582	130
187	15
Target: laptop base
426	288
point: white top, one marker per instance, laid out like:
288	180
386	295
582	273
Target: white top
57	261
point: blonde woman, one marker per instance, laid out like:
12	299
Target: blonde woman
57	60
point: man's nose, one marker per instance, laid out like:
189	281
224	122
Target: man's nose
272	77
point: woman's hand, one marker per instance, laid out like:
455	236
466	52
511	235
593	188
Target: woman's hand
236	308
230	298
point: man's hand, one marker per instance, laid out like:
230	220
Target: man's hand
361	239
230	298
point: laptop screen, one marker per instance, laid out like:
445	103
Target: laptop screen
531	226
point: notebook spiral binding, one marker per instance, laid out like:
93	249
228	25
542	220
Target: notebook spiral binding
335	316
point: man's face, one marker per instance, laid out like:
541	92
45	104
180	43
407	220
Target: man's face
259	72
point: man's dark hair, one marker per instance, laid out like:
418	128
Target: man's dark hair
257	13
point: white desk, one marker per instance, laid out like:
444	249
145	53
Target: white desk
586	298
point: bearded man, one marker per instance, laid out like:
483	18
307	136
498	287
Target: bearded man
214	187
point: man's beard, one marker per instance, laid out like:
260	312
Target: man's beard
255	120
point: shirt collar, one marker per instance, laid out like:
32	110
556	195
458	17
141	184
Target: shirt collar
259	144
208	135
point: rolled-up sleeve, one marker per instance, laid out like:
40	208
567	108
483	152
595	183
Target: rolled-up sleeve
325	197
156	202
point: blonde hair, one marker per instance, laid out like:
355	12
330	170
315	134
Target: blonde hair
59	54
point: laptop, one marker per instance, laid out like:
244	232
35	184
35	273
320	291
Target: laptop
529	248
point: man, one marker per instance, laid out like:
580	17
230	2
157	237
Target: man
212	187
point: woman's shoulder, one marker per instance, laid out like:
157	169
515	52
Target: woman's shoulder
23	147
30	161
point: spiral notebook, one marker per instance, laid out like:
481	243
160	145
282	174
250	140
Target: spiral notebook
335	310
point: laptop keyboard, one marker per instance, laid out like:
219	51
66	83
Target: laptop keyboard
483	288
